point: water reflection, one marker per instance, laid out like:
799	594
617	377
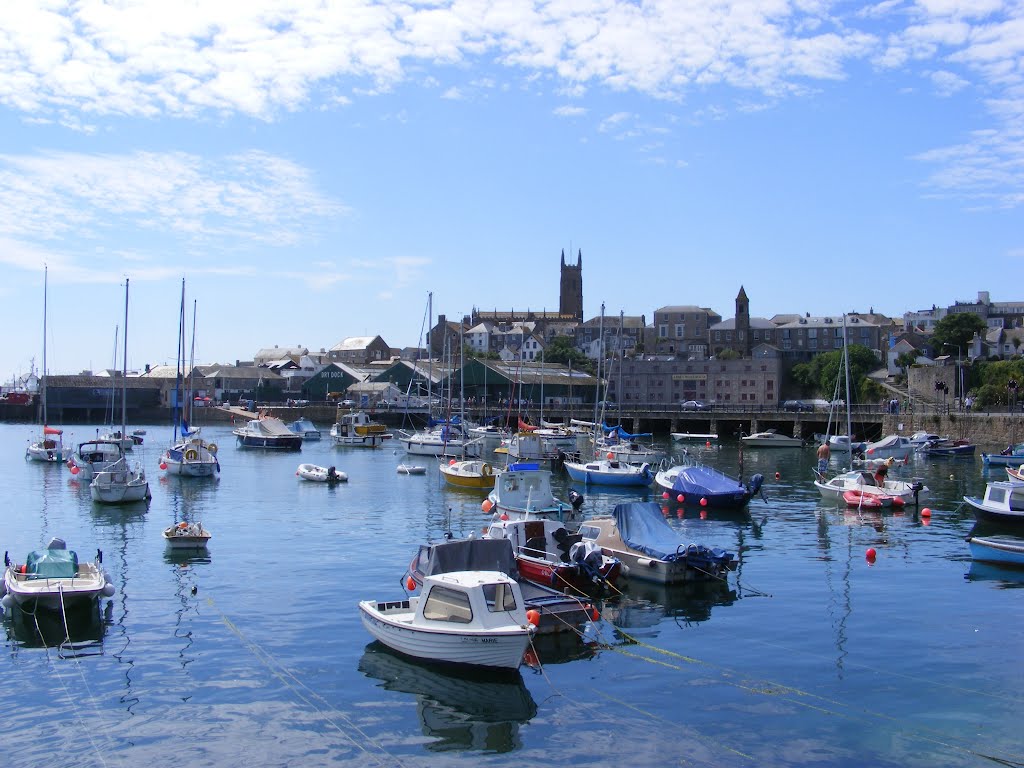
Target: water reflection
79	632
460	710
645	604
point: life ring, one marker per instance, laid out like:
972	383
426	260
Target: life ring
212	448
191	454
485	470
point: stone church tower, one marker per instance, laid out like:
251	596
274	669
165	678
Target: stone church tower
570	293
743	345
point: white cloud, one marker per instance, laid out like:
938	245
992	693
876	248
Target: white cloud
569	111
947	83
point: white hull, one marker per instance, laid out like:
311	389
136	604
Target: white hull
36	452
394	628
52	593
317	474
191	468
119	485
193	536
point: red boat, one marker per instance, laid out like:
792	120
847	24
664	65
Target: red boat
548	554
866	500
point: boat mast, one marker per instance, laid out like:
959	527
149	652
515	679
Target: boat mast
43	386
179	384
849	403
190	402
124	369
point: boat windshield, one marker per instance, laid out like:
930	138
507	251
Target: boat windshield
499	597
444	604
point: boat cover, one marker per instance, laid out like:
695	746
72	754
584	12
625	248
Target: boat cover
52	564
622	434
468	555
705	481
643	528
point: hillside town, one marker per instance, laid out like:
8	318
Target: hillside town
679	354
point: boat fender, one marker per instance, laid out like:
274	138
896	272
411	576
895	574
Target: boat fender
7	601
108	590
646	561
212	448
756	481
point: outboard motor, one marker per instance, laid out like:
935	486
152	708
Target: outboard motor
576	499
916	487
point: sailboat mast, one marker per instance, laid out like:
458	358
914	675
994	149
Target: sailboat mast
190	398
849	403
124	368
179	386
43	386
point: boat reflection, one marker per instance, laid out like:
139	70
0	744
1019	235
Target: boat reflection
645	604
81	635
460	709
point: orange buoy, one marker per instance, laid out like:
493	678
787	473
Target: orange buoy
451	462
610	455
74	469
504	516
410	584
486	505
533	616
594	614
926	512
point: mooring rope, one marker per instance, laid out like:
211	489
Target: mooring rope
308	696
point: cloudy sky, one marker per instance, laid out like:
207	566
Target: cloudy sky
314	169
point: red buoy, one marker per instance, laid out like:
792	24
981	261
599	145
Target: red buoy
664	495
870	554
926	512
163	465
703	501
778	475
681	498
410	584
533	616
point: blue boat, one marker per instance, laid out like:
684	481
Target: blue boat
1012	456
609	472
700	484
997	549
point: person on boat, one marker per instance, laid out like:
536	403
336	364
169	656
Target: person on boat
824	454
882	471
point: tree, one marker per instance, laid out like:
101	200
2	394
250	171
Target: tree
905	360
957	330
562	350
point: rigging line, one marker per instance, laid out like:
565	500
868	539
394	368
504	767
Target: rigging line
287	678
795	695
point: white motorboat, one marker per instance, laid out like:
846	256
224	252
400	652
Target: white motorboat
865	483
440	440
120	484
462	617
523	491
411	469
1003	503
317	474
699	437
55	579
305	428
92	456
357	428
890	447
651	550
769	438
186	536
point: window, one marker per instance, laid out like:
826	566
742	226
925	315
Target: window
445	604
680	330
663	331
499	597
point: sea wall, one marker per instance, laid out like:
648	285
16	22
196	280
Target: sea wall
992	432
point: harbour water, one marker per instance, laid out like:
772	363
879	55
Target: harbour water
253	653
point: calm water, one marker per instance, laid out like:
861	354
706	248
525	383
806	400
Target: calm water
254	654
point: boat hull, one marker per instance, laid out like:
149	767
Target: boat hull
390	623
630	477
275	442
997	549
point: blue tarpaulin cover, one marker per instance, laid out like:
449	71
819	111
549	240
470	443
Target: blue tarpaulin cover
705	481
643	528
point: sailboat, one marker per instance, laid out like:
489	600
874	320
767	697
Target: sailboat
120	483
189	455
49	447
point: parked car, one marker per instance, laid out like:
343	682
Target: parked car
694	405
797	405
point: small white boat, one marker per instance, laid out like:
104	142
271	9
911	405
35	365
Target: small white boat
305	429
700	437
186	536
356	428
120	484
1003	502
523	492
55	579
610	472
463	617
891	446
771	439
317	474
411	469
864	482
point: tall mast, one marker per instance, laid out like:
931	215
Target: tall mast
849	404
43	387
124	368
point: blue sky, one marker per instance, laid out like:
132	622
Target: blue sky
314	169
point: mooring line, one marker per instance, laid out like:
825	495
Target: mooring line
287	678
794	695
